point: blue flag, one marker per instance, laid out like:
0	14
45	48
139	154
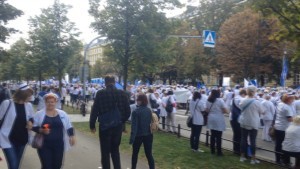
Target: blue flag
284	71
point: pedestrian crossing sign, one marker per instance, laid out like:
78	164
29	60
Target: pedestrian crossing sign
209	38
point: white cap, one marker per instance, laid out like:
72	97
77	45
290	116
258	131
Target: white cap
23	86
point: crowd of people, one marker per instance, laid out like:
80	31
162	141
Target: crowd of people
249	109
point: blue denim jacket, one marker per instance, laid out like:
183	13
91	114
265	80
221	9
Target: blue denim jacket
140	122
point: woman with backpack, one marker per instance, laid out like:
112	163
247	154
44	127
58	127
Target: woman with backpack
234	116
140	131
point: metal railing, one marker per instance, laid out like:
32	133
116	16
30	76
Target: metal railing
206	143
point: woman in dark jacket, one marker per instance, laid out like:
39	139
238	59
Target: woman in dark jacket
140	131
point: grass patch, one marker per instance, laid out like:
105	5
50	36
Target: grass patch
71	110
171	152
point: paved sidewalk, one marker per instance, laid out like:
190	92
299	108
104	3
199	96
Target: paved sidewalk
84	155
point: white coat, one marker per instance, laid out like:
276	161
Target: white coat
40	116
9	121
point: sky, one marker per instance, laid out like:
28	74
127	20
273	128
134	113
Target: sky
78	14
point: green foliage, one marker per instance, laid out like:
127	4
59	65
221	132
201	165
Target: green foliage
17	66
288	12
53	40
7	13
135	30
245	48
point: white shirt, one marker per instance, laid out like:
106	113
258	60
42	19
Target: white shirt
196	107
249	118
163	112
284	111
269	110
291	140
297	106
216	119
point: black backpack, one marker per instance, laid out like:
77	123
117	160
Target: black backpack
235	111
153	103
169	106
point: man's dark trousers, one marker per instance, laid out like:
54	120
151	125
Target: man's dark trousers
110	140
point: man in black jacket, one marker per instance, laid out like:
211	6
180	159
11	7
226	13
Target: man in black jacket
116	102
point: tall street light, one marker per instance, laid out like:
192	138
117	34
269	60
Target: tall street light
84	64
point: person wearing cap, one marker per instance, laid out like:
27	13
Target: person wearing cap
40	96
291	143
17	116
267	117
284	117
57	130
249	121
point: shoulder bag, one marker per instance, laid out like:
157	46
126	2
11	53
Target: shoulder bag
205	115
189	120
154	122
2	120
272	128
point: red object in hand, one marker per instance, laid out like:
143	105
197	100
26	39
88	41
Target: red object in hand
46	126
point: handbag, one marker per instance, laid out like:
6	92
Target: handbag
189	120
154	122
37	141
272	132
205	115
272	128
3	118
153	103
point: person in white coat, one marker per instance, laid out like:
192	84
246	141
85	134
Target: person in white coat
216	108
291	143
196	109
163	112
249	120
57	130
267	117
17	116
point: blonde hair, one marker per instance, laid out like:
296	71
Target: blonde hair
286	98
296	120
50	96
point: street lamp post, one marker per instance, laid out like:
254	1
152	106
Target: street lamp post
84	64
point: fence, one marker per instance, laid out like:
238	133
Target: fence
207	135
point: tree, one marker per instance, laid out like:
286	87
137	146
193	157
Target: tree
18	66
288	12
8	12
53	39
134	29
209	15
245	47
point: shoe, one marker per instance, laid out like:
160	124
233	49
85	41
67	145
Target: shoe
199	151
242	159
255	161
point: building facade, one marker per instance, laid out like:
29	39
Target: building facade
95	52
